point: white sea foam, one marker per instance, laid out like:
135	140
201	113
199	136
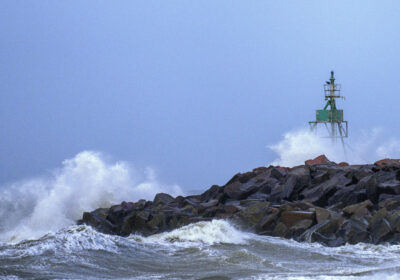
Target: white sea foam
63	242
208	233
367	147
30	208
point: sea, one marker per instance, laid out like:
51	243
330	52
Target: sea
205	250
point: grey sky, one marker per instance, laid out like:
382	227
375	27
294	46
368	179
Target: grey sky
195	89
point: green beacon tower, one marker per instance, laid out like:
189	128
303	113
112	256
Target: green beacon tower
330	116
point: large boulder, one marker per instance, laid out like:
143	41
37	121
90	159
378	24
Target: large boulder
358	210
135	222
320	194
290	218
345	196
238	190
284	191
211	193
268	221
324	232
205	205
390	202
98	220
322	214
177	220
252	215
388	164
297	180
356	230
394	219
390	187
157	222
370	185
162	198
322	159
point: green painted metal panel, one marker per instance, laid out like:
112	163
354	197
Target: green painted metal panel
329	115
323	115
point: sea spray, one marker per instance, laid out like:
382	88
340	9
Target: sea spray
360	148
30	208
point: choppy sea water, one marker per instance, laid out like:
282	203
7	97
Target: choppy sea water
206	250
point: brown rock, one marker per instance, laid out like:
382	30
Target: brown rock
322	214
330	226
280	230
289	218
322	159
225	211
390	203
301	226
379	215
359	209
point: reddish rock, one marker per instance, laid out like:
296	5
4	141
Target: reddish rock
388	162
322	159
283	169
342	164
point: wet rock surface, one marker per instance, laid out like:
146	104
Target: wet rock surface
320	201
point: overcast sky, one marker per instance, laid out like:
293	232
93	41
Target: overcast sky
194	89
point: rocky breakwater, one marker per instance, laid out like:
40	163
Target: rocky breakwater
320	201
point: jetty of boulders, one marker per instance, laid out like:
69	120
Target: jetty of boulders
320	201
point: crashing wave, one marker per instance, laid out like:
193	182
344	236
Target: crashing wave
208	233
32	208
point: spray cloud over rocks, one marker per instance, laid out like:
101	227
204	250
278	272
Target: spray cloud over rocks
362	148
30	208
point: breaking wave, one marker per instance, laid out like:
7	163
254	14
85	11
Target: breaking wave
208	233
31	208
